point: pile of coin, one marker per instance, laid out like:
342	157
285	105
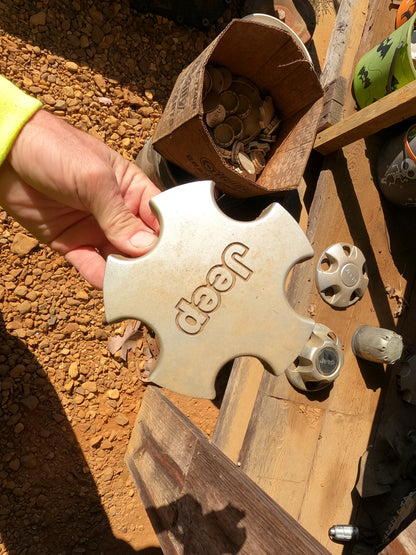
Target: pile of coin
242	122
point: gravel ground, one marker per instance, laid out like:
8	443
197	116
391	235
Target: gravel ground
68	405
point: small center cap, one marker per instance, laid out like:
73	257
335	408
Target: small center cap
350	275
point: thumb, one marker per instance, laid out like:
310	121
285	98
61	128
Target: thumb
128	233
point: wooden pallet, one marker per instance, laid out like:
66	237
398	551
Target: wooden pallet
298	456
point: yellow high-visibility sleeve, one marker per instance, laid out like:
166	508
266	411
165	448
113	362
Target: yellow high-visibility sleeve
16	108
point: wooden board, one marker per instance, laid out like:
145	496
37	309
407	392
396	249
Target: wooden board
392	109
404	544
239	398
199	501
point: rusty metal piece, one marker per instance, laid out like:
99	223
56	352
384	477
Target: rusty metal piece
207	85
212	289
211	101
227	77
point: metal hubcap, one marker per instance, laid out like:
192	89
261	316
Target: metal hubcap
341	275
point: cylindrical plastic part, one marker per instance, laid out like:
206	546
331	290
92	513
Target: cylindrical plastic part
377	344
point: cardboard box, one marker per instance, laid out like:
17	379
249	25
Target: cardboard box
270	58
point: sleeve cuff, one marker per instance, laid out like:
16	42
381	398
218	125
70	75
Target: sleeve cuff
16	108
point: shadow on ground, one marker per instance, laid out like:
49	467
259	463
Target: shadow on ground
49	502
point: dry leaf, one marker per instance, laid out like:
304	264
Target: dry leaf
397	295
127	341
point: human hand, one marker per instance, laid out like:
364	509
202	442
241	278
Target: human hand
78	195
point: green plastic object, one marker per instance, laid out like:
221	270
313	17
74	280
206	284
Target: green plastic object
387	67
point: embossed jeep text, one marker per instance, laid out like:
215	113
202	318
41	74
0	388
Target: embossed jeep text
193	315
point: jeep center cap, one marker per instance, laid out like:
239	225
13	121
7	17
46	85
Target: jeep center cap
212	289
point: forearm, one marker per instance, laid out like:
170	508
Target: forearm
16	108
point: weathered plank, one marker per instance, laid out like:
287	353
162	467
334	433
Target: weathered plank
239	399
334	97
199	501
345	40
404	544
389	110
316	441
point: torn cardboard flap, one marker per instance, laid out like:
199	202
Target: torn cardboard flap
271	59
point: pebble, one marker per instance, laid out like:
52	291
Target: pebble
145	111
71	66
100	334
17	371
24	307
106	445
30	402
90	386
18	429
22	244
14	464
82	295
122	420
107	474
146	124
96	440
78	399
48	99
21	291
73	370
100	82
38	19
113	394
60	105
32	295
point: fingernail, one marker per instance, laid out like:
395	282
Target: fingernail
143	239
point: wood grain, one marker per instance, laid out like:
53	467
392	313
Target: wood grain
198	501
404	544
389	110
